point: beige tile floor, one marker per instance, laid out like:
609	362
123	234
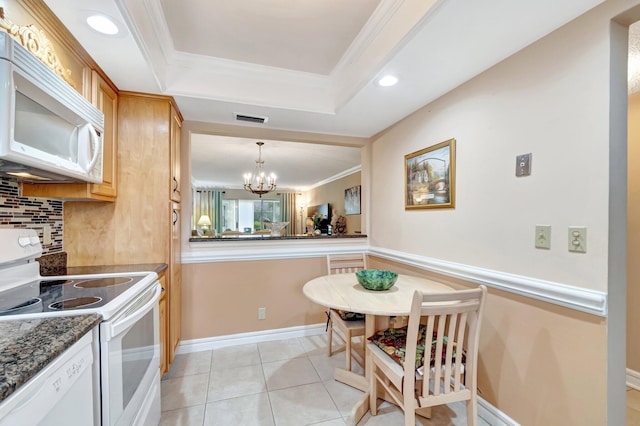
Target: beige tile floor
286	382
633	407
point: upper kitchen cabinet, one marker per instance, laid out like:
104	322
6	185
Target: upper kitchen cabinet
176	146
105	98
33	25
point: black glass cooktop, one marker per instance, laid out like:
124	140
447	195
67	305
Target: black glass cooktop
55	294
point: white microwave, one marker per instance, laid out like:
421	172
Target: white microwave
48	131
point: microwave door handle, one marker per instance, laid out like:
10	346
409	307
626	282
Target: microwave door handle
127	321
95	141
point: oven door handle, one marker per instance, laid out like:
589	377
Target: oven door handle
132	315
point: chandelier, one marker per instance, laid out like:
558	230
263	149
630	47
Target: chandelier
259	182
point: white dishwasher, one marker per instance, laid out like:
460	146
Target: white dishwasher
62	393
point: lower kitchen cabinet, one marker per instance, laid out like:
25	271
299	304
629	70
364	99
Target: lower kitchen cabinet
164	327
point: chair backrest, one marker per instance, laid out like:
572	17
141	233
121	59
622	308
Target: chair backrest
455	318
346	263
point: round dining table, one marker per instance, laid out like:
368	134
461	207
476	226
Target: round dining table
342	291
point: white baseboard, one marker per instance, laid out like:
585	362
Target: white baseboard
493	416
208	343
633	379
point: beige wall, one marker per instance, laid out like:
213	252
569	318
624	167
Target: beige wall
223	298
333	193
633	236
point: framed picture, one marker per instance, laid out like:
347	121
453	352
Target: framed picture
352	200
430	176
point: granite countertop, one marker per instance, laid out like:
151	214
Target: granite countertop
55	264
29	345
107	269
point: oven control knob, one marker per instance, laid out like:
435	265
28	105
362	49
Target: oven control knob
24	241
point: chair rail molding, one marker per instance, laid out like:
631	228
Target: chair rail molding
581	299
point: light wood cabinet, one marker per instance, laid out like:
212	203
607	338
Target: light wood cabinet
105	98
140	226
175	284
176	146
164	332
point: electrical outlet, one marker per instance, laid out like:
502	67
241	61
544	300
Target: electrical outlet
523	165
543	236
578	239
262	313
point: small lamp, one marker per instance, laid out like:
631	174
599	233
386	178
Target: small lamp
204	222
302	205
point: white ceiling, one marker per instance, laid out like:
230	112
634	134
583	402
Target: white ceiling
306	65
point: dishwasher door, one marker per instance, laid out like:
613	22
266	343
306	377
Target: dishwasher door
61	394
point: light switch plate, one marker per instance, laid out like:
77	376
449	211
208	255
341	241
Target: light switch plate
523	165
543	236
578	239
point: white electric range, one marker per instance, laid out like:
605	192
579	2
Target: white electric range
129	346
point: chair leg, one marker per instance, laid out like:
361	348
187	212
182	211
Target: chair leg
472	412
329	338
373	384
409	415
409	406
348	350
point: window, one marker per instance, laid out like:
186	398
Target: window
248	215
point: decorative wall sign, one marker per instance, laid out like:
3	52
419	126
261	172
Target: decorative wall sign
430	177
36	42
352	200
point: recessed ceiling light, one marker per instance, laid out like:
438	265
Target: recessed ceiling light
102	24
388	80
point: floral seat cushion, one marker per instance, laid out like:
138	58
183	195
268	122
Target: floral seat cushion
350	316
393	341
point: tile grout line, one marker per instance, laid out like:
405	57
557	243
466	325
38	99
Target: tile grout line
206	398
264	376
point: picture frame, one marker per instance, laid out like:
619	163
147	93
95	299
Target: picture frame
430	176
352	200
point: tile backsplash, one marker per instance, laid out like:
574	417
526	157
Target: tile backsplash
42	214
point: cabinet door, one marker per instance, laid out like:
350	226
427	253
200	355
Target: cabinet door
106	100
164	327
176	146
175	283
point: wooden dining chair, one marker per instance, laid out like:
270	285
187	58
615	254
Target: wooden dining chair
433	360
350	324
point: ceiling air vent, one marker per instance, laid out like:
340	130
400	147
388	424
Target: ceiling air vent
250	118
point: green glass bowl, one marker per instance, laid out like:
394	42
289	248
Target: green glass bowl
376	279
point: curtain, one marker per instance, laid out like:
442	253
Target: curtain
288	210
208	202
